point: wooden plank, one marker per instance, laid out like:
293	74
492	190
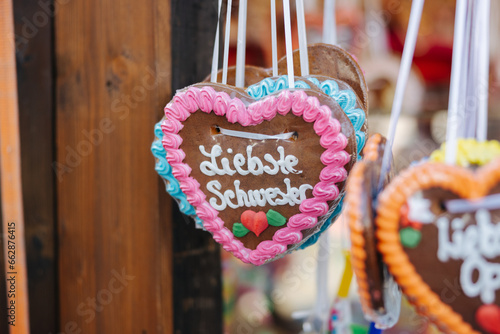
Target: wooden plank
113	78
197	267
33	28
16	275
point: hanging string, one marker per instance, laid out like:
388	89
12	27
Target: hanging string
483	69
226	42
404	72
329	23
453	113
301	27
321	310
241	45
274	38
215	57
466	111
288	43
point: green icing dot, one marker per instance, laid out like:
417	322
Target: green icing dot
410	237
239	230
275	218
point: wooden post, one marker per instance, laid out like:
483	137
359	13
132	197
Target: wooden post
11	186
33	24
197	267
113	80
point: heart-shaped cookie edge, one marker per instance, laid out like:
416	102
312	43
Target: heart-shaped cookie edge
353	77
202	97
354	209
272	85
460	181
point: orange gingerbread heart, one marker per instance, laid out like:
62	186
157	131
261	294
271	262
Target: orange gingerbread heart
450	267
378	293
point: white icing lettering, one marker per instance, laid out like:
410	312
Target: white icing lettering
211	168
239	161
285	164
254	163
473	244
214	187
253	198
269	158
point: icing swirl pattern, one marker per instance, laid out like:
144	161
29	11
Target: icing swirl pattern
345	98
298	103
164	169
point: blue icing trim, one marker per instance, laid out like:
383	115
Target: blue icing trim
347	101
272	85
314	238
357	117
164	169
360	140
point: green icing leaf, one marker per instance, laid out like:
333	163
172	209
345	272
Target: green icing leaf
410	237
275	218
239	230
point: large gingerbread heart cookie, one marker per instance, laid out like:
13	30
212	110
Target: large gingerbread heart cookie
439	233
262	175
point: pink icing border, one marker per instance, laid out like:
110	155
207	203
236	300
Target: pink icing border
309	108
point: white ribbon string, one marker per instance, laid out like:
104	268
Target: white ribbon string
329	23
215	57
483	69
241	45
301	27
274	38
467	77
288	43
255	136
453	113
404	72
491	202
226	42
321	309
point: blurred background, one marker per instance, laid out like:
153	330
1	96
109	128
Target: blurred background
276	298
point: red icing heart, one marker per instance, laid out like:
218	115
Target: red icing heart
488	317
254	221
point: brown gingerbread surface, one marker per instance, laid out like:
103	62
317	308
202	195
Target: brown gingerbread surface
443	278
199	129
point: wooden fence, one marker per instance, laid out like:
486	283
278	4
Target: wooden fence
107	250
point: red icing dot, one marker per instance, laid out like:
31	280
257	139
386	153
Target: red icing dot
488	317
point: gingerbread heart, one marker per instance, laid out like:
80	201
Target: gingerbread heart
342	94
380	296
324	59
284	153
448	264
